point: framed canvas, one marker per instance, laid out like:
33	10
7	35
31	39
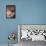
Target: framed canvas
10	11
32	32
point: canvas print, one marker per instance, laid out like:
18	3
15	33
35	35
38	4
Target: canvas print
33	32
12	38
10	11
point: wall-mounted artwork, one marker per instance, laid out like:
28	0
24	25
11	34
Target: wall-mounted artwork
12	38
10	11
33	32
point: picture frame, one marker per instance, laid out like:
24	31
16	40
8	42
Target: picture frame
10	11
